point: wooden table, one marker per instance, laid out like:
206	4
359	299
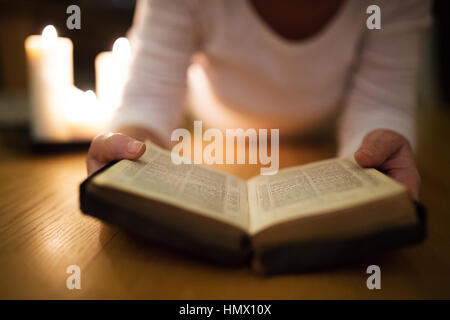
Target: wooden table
42	232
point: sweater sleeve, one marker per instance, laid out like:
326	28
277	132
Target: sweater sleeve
163	39
382	92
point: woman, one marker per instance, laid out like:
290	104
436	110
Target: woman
286	64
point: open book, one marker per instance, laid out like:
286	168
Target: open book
303	217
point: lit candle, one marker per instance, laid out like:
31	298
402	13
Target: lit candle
50	76
111	70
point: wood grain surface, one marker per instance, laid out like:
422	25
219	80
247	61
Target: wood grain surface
42	232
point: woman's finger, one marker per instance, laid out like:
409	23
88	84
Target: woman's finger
112	146
378	146
392	154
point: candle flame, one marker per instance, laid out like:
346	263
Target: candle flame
49	35
122	49
89	94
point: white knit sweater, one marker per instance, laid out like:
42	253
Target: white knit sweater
240	73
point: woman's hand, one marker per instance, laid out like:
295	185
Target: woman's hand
112	146
390	153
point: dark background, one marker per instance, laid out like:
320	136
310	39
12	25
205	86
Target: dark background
441	12
103	21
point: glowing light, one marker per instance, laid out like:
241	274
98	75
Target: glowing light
90	96
49	35
121	49
82	106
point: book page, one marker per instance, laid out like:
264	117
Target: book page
315	188
195	187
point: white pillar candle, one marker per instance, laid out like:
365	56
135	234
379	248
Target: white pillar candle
83	115
50	73
111	71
